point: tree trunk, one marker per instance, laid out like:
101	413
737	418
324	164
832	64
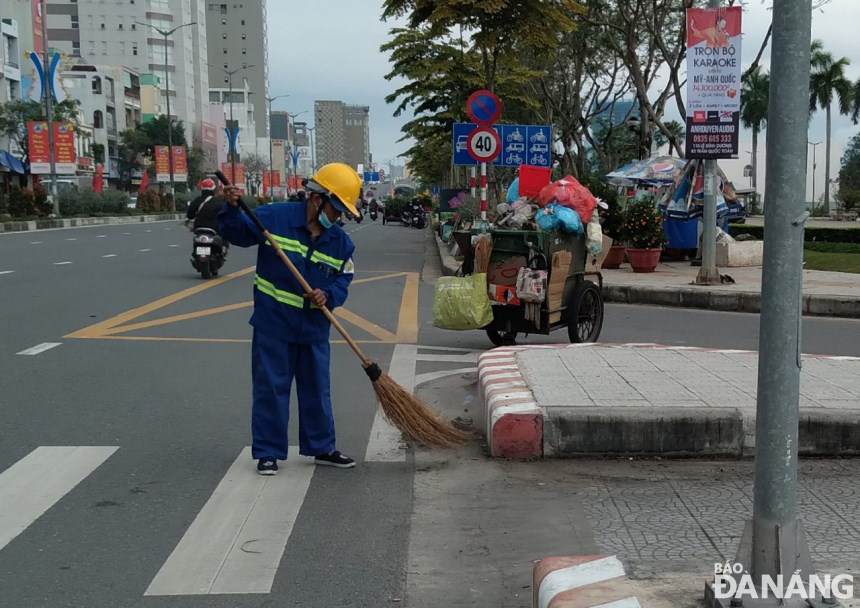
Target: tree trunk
827	167
754	183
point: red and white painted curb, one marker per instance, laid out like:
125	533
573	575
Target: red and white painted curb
582	581
513	421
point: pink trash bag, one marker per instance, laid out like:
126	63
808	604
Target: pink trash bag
568	192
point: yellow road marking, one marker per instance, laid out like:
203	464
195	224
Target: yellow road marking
407	321
226	340
176	318
96	330
372	328
407	325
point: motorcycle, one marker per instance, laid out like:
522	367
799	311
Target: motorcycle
406	217
208	252
419	220
373	215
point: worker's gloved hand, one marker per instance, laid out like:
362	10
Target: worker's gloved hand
317	297
231	194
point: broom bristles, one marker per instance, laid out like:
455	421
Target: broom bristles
414	418
483	250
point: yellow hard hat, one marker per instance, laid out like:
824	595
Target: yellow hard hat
341	181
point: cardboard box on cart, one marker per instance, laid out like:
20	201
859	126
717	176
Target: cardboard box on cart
559	270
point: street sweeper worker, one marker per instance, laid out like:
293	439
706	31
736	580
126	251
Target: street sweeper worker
291	334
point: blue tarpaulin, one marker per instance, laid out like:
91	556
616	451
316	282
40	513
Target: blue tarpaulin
11	163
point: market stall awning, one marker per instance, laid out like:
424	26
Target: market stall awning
11	163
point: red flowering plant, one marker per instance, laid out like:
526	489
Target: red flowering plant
642	227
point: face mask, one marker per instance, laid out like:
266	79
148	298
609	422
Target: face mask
322	218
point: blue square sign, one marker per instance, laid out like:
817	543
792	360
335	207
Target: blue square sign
521	145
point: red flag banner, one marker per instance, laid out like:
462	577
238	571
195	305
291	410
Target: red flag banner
162	164
180	164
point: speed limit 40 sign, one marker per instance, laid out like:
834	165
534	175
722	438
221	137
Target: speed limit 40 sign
484	144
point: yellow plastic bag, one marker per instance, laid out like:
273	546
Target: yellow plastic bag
462	303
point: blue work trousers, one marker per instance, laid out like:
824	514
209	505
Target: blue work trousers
275	361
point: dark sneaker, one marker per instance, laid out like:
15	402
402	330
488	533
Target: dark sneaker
335	459
267	466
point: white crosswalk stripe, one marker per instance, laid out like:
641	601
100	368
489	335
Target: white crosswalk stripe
36	482
236	542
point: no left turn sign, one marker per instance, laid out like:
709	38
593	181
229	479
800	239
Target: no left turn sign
484	144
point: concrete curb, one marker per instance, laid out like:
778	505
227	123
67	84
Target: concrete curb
77	222
730	301
582	581
450	265
518	427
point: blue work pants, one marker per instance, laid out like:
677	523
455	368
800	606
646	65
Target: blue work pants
275	361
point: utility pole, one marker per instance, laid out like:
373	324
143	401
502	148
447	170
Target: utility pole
166	34
233	135
708	273
269	100
49	110
814	145
290	143
313	144
774	542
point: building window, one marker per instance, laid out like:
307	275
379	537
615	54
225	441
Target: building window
97	85
134	49
74	22
224	36
243	22
133	25
214	97
223	22
223	9
244	52
92	48
104	47
122	48
226	66
225	51
102	26
76	48
120	26
244	36
226	80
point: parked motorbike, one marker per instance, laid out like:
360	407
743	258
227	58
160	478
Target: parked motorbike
208	253
419	220
406	217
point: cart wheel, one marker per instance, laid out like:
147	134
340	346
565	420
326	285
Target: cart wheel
502	339
584	313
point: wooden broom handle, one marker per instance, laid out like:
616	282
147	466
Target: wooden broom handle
365	361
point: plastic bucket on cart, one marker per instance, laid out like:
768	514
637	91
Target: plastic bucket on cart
532	179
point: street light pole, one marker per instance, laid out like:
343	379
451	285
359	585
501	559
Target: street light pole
774	543
290	144
271	154
814	146
49	110
708	273
166	34
313	142
230	102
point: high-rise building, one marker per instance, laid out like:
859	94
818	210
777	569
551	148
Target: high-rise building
342	133
110	33
237	38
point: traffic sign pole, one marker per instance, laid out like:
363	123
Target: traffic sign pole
484	191
474	180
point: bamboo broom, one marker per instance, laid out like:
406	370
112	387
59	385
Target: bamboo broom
409	414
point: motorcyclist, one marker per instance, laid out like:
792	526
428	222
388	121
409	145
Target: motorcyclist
374	206
203	210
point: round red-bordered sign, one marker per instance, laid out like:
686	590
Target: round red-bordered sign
483	107
484	144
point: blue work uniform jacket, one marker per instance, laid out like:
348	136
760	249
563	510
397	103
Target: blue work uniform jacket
326	263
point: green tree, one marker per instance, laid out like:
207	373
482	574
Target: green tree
754	101
677	134
254	166
849	175
98	153
828	83
14	116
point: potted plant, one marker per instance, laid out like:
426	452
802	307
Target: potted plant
642	230
611	219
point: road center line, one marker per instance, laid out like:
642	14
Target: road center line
6	271
174	245
101	236
61	263
39	348
71	239
236	542
110	255
146	249
33	484
35	242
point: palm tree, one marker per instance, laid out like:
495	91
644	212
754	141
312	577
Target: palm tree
754	99
677	132
828	82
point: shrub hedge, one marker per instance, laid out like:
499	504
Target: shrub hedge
86	202
811	234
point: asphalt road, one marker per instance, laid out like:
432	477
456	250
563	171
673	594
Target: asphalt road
151	374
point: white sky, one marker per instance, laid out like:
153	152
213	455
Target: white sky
329	49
